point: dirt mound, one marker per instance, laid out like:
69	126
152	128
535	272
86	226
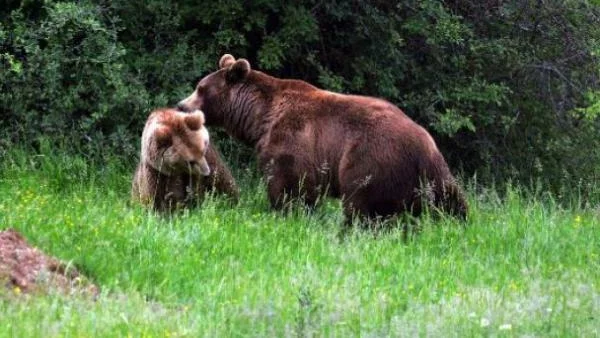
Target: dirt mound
24	268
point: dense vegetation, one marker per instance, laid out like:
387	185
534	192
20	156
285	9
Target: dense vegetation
509	89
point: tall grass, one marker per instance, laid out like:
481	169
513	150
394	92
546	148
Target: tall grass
523	264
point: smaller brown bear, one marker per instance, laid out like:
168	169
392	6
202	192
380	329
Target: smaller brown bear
178	165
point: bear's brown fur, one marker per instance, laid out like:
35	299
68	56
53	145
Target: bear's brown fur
178	165
312	141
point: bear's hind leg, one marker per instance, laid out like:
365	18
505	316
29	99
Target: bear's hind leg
357	210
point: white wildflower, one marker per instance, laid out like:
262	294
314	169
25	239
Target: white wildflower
484	322
505	327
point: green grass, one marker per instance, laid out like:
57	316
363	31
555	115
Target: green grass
520	266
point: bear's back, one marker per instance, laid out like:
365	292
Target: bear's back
296	107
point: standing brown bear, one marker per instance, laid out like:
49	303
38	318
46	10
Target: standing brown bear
177	164
310	141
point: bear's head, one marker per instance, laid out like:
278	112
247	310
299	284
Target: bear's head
214	93
175	142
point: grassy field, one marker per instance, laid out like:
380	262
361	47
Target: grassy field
521	266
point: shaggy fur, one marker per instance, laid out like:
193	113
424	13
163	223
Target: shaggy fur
178	165
312	142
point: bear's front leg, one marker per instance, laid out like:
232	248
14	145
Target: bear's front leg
288	180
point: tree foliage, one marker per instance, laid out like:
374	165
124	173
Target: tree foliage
509	89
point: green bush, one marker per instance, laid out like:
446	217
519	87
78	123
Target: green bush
67	79
508	89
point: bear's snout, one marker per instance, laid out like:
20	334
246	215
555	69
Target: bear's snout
182	107
190	103
200	168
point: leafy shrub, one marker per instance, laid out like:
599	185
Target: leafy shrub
509	89
67	79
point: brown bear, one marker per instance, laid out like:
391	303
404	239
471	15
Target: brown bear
178	165
310	142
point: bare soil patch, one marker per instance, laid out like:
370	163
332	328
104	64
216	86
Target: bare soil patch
26	269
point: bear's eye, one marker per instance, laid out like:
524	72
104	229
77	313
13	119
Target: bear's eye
164	142
163	137
200	89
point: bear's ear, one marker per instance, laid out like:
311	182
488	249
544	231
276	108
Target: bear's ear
226	61
194	120
238	71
